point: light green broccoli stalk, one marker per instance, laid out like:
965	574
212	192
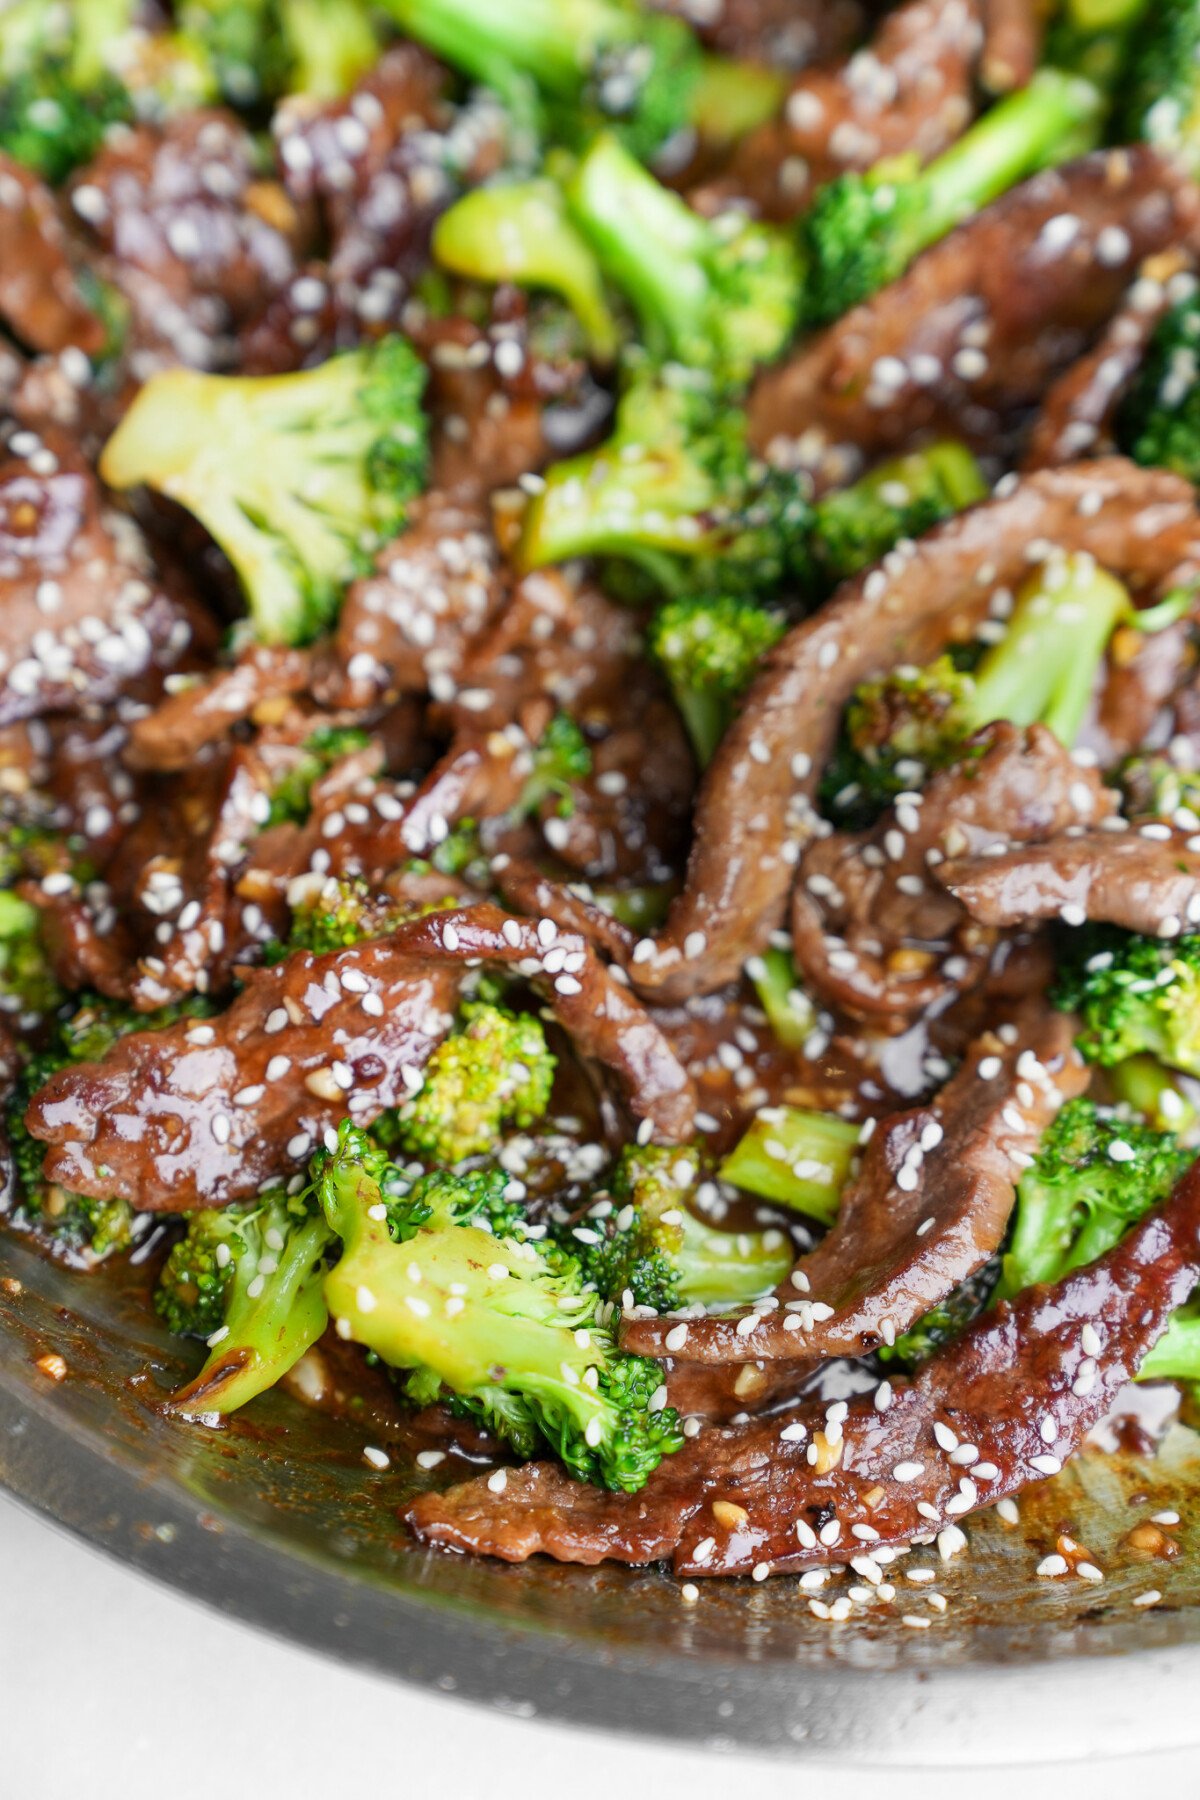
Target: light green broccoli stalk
799	1159
249	1281
717	294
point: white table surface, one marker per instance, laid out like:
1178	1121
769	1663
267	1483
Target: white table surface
104	1676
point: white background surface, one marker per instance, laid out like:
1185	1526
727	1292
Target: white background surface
106	1680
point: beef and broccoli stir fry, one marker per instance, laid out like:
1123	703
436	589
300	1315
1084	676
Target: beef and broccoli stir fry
600	735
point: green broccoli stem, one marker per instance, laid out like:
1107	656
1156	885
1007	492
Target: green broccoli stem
729	1268
518	231
790	1013
548	39
1056	116
1143	1083
800	1159
649	241
330	44
271	1320
96	27
1045	667
1176	1356
731	98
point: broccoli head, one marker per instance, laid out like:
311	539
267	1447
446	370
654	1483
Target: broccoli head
1094	1173
446	1282
297	477
856	526
676	492
58	95
1134	995
519	231
592	63
493	1073
1154	784
709	650
865	229
719	294
28	987
292	793
249	1281
640	1244
1158	423
561	759
1161	81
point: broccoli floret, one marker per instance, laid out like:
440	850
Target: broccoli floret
57	97
593	62
902	726
1155	784
800	1159
709	650
28	987
676	491
903	498
519	231
1094	1173
447	1283
334	912
1134	995
297	477
640	1245
249	1280
717	294
291	795
493	1073
864	230
1161	83
561	759
242	40
1158	423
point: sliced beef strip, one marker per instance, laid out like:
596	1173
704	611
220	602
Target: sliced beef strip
378	167
755	808
927	1209
1146	879
408	627
40	300
87	946
972	335
908	90
873	933
1077	412
1145	677
83	613
781	34
189	233
185	887
204	711
811	1485
202	1114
